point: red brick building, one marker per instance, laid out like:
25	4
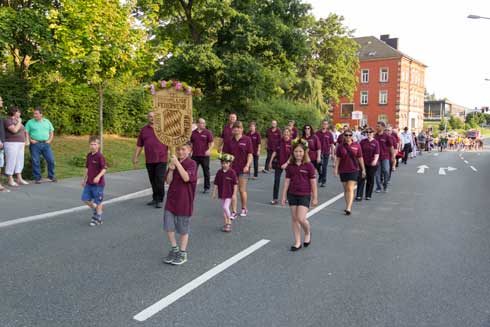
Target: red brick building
390	89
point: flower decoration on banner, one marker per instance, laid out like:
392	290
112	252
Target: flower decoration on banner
226	157
179	86
301	141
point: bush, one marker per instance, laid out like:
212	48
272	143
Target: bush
78	160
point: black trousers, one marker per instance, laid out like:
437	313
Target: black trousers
204	162
368	182
268	159
407	148
156	173
256	165
277	182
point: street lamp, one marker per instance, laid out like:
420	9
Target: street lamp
477	17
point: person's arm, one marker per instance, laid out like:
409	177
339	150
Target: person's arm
285	191
99	176
273	156
250	158
178	166
51	136
210	147
314	191
170	174
2	133
136	155
85	176
375	160
14	128
336	166
215	191
363	168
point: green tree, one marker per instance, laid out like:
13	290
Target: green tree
455	123
98	41
443	124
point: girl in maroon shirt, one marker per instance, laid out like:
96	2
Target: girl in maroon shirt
225	186
279	160
299	186
348	162
314	146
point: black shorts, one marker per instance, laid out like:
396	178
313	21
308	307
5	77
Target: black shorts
347	177
299	200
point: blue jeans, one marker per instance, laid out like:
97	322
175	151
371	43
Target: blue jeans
322	169
37	150
382	171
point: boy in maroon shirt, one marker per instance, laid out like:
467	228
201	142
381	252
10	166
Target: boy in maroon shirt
273	136
256	141
240	146
93	181
182	177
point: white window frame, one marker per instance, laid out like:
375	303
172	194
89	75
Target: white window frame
341	110
384	73
383	120
364	95
383	95
364	73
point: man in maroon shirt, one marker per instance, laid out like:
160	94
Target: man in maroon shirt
386	154
202	141
328	147
273	136
256	144
240	146
227	132
156	155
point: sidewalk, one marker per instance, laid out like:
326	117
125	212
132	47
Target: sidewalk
35	199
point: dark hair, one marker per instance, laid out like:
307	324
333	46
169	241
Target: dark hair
94	138
382	123
14	110
237	124
39	109
312	132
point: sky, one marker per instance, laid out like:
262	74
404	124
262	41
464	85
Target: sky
436	32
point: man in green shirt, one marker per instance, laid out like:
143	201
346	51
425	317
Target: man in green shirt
40	133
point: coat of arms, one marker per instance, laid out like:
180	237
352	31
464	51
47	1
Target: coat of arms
173	117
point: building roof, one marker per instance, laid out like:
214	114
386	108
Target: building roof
373	48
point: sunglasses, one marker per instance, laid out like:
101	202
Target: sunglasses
347	135
369	132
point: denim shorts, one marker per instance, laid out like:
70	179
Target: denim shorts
172	223
93	193
2	161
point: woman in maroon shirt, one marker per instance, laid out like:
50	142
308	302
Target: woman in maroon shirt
279	160
299	186
314	146
370	154
348	162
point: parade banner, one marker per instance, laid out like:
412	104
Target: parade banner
173	117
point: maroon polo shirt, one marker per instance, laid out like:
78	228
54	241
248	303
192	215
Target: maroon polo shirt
256	139
226	182
394	140
300	176
369	150
340	138
240	150
95	163
273	138
294	132
326	140
348	164
155	151
283	151
385	144
200	142
180	195
227	133
313	146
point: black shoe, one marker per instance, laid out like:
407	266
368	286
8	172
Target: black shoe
38	181
206	190
359	198
322	185
159	205
151	203
294	249
307	244
368	198
347	212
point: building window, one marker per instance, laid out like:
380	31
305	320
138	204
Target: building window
383	75
383	97
365	76
364	97
383	118
346	110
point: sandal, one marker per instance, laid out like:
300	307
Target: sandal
226	228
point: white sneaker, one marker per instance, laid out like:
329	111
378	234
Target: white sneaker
244	213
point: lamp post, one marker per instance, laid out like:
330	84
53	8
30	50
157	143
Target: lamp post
477	17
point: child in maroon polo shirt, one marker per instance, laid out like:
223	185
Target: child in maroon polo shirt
93	182
299	187
182	177
225	185
256	142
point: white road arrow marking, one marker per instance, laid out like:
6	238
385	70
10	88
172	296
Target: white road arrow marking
466	162
436	154
422	169
451	169
442	170
473	168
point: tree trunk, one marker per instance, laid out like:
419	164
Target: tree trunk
101	116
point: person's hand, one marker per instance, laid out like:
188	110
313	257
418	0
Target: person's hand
374	163
1	145
207	153
171	166
83	182
174	160
48	142
284	166
135	162
314	202
19	120
318	161
363	173
96	180
213	196
270	166
283	201
246	169
34	142
335	172
258	153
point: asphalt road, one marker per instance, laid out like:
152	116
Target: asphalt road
416	256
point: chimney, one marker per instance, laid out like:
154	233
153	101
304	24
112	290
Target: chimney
392	42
